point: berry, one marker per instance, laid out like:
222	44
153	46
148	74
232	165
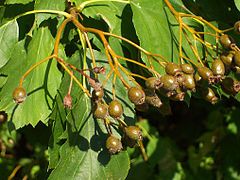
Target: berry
230	86
134	133
237	27
153	99
115	109
101	111
113	144
227	58
178	96
187	68
209	95
97	94
136	95
153	83
218	67
226	41
19	95
189	82
205	72
236	58
142	107
169	82
3	117
172	69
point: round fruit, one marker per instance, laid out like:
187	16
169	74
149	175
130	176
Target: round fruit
19	95
178	97
113	144
218	67
237	27
169	82
226	41
101	111
115	109
187	68
227	59
172	69
98	94
210	96
136	95
3	117
236	58
153	83
229	85
134	133
189	82
153	99
205	72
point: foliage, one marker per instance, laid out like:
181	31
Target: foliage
61	52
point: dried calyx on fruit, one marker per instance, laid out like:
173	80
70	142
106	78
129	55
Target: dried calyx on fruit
205	73
153	83
115	109
209	95
67	101
19	95
237	27
178	96
3	117
218	70
230	86
136	95
226	41
172	69
100	111
152	98
113	144
134	133
227	58
169	82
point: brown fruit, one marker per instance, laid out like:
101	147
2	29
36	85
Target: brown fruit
19	95
218	67
153	83
97	94
230	86
209	95
153	99
189	82
101	111
115	109
205	73
227	58
169	82
187	68
136	95
237	27
172	69
236	58
134	133
113	144
226	41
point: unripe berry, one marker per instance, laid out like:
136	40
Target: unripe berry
113	144
205	73
101	111
19	95
187	68
172	69
136	95
115	109
226	41
153	83
134	133
218	67
169	82
97	94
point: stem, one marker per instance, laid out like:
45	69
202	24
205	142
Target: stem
144	154
87	3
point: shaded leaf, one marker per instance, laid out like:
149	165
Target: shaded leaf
17	1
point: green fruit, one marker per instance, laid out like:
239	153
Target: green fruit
189	82
227	58
187	68
97	94
19	95
101	111
153	83
226	41
3	117
113	144
236	58
218	67
134	133
230	86
115	109
209	95
205	72
172	69
169	82
237	27
136	95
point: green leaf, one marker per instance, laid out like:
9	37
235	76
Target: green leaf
237	3
17	1
8	38
41	84
47	5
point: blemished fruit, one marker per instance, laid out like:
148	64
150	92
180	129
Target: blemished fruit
113	144
115	109
226	41
134	133
19	95
136	95
101	111
218	67
236	58
172	69
97	94
169	82
153	83
153	99
205	72
187	68
230	86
